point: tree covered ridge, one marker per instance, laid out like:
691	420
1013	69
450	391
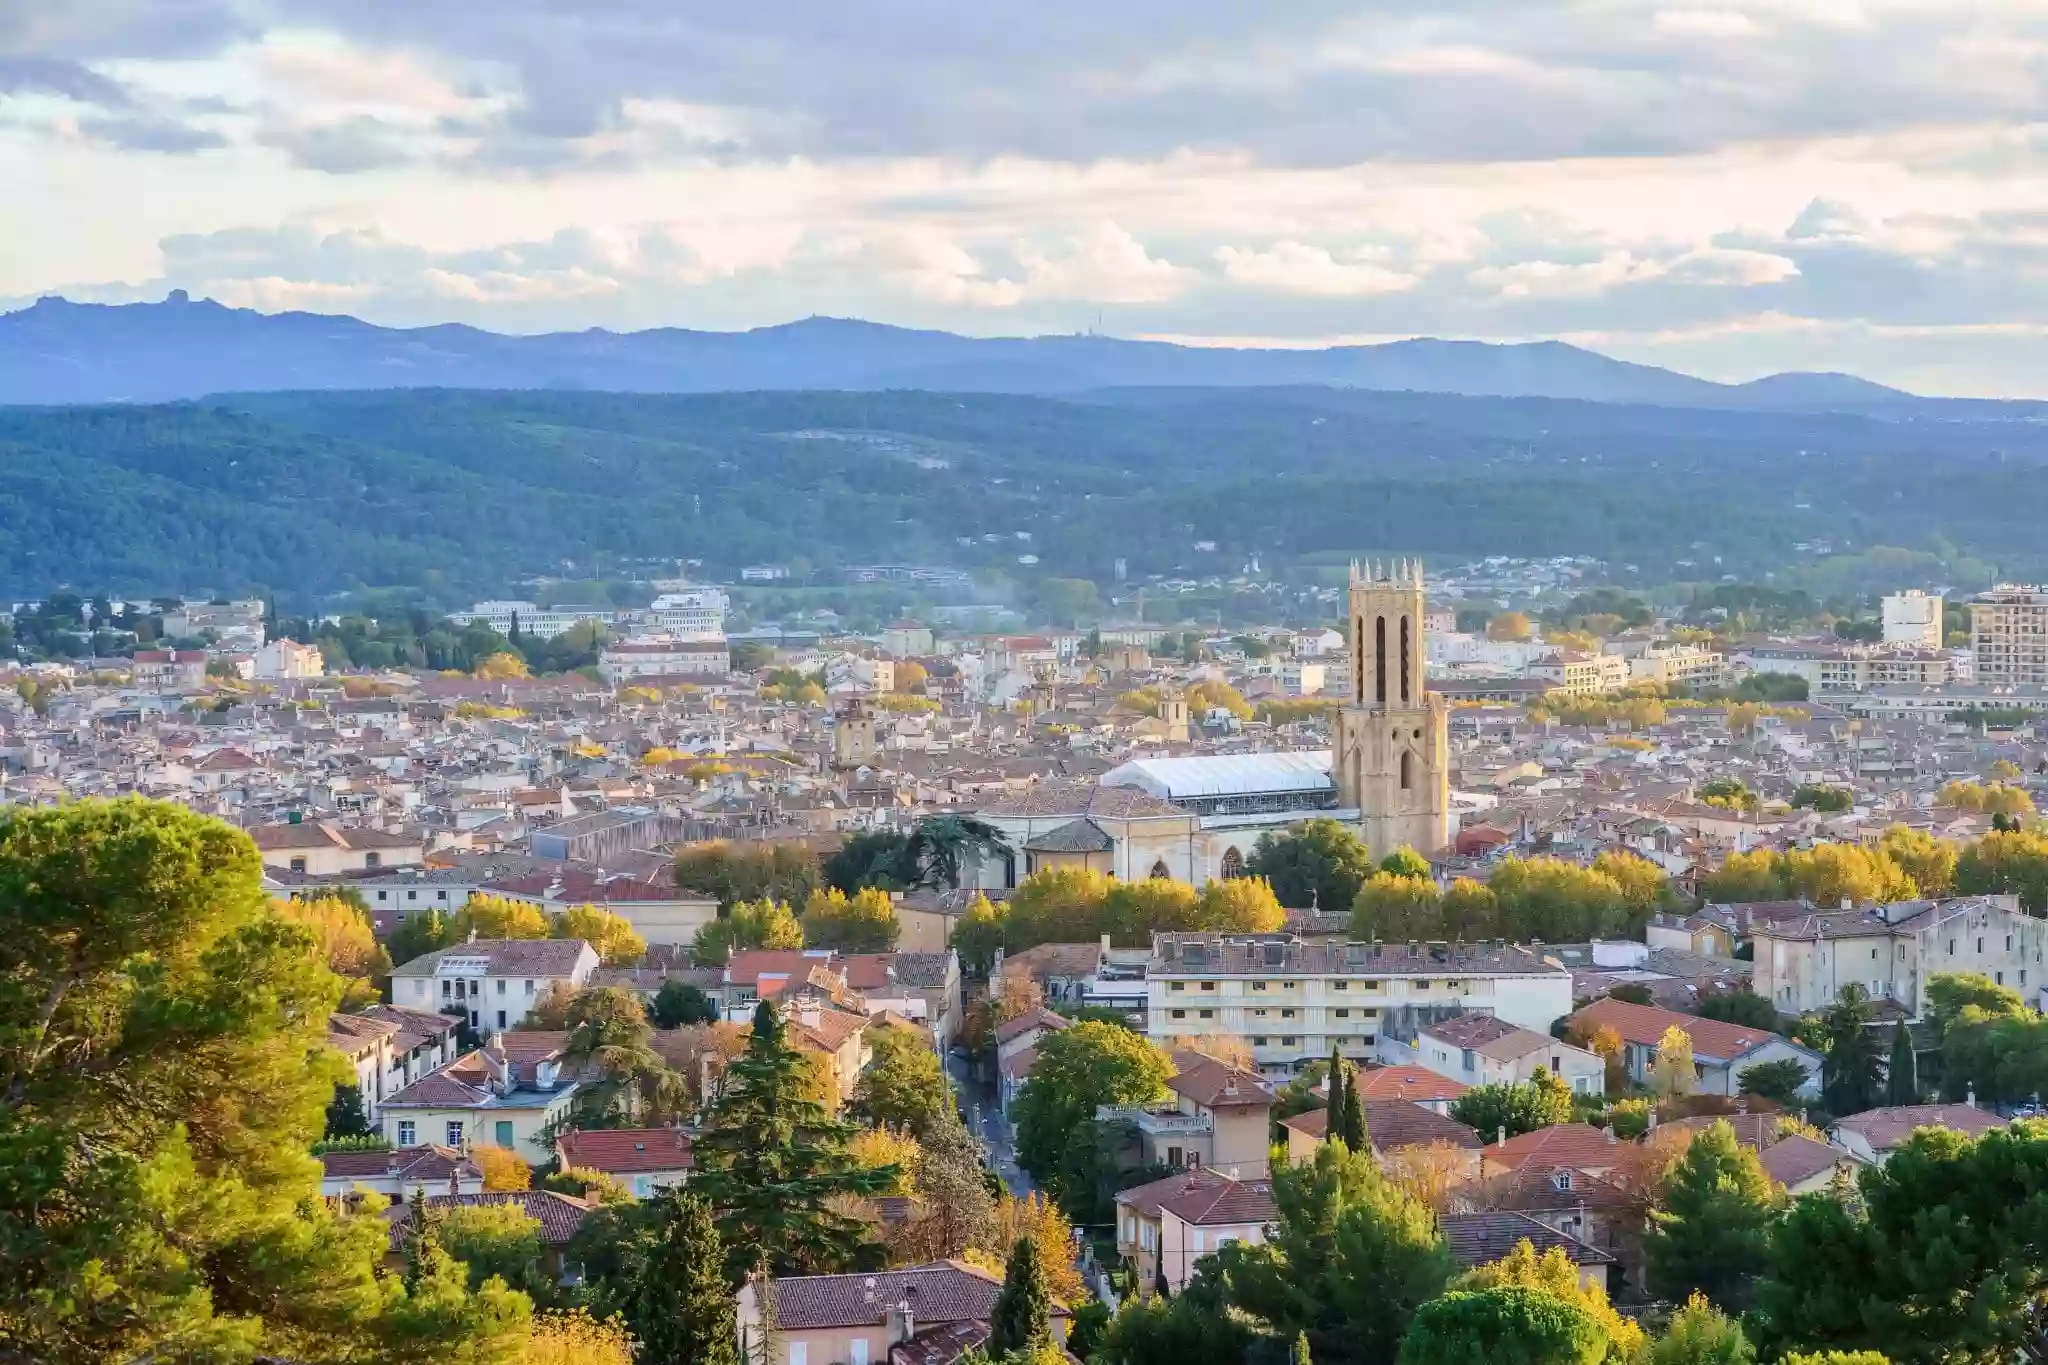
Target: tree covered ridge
307	493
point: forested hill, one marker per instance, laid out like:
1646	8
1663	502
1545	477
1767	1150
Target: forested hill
61	352
304	494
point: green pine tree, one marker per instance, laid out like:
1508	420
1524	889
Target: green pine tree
1333	1129
1354	1114
1712	1232
1021	1320
680	1307
1902	1077
771	1159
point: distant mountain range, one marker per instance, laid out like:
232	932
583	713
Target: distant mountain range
58	352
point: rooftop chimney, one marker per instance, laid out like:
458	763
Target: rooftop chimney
1500	1136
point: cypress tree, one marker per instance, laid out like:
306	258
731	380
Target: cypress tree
771	1159
680	1308
1299	1355
1902	1078
1332	1131
1354	1116
1021	1320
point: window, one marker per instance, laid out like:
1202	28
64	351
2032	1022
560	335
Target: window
1160	871
1233	863
1198	1239
1563	1180
1407	760
372	860
799	1353
408	1133
1980	945
1289	1040
859	1351
1173	1156
1873	954
1177	1014
501	1018
1176	985
1340	985
1206	1014
1258	1014
298	864
529	986
444	988
1286	1014
501	985
383	896
455	1132
2000	978
1466	1059
1208	985
501	1132
1259	1041
1258	985
1343	1014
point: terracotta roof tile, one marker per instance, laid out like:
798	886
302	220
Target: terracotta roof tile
627	1151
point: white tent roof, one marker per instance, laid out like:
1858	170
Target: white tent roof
1307	770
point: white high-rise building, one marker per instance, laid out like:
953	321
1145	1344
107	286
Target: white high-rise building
1913	618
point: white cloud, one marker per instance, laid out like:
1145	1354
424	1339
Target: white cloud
1102	264
1291	267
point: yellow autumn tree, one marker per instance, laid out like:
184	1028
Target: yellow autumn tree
873	1148
1553	1273
611	935
1672	1074
1240	905
502	1168
504	664
1040	1219
491	916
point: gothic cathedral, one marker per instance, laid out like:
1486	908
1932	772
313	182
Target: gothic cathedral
1392	758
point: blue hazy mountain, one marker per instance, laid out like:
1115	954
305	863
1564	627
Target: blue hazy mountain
60	352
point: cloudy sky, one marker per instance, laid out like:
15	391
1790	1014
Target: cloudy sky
1729	188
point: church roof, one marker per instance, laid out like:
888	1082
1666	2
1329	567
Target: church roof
1305	771
1076	836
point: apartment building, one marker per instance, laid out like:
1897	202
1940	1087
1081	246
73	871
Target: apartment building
1802	962
1679	666
1292	1000
1579	674
2009	634
1484	1049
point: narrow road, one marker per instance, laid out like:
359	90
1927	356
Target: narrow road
986	1122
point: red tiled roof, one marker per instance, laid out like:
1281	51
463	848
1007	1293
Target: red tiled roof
559	1215
429	1162
1217	1085
941	1292
1024	1023
1414	1083
626	1151
1644	1025
1578	1145
1392	1123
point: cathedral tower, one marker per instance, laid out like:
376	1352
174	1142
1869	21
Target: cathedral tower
1392	753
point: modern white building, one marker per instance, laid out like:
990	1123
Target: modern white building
697	611
1292	999
535	622
1912	618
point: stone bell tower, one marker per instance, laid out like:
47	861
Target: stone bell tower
1392	755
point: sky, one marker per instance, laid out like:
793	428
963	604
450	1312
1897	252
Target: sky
1727	188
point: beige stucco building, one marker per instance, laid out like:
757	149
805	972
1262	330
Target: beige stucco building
1892	951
